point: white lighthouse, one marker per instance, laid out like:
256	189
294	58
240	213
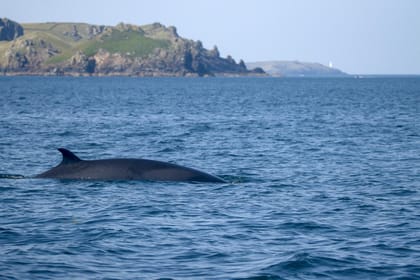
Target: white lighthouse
330	64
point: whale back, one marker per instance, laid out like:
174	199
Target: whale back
72	167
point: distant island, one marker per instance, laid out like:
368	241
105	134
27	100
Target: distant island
83	49
296	69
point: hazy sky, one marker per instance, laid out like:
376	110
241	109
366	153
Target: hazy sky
358	36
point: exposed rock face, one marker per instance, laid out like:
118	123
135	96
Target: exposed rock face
74	34
25	54
94	30
81	63
108	63
150	50
9	30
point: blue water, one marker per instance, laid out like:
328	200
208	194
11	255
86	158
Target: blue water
324	178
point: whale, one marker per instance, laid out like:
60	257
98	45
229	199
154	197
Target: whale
74	168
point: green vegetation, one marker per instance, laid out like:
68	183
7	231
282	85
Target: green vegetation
130	43
59	30
38	26
59	58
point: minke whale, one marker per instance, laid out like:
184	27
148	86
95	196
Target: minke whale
72	167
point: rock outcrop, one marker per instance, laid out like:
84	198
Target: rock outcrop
9	30
83	49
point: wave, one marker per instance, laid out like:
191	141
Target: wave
11	176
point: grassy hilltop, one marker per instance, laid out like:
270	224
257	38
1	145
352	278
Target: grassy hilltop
85	49
73	37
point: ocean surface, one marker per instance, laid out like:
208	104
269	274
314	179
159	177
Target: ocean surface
323	178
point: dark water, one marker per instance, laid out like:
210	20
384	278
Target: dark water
324	179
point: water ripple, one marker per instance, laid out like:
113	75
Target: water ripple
323	179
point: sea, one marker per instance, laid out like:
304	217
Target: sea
323	178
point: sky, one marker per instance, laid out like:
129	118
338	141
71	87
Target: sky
357	36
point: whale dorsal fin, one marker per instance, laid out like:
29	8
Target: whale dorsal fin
68	157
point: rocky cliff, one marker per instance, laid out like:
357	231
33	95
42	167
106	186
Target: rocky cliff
9	30
85	49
